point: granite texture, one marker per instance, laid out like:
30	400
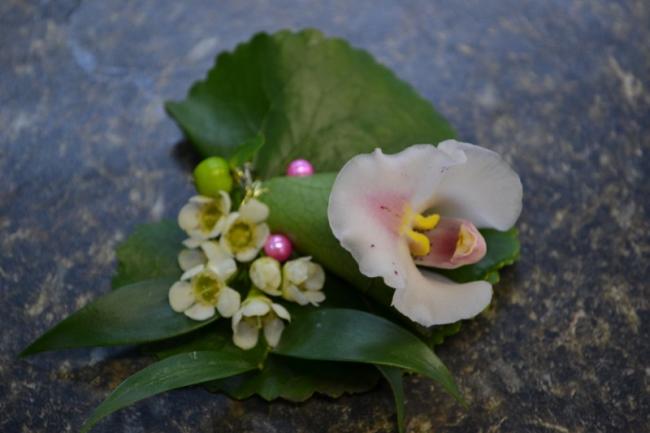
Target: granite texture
561	88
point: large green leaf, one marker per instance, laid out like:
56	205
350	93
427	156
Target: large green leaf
299	209
311	97
355	336
149	252
297	380
174	372
132	314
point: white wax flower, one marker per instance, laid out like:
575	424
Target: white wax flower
258	312
266	275
423	206
245	231
204	217
302	281
204	288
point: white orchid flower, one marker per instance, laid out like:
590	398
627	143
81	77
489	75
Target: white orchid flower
204	217
258	312
204	289
266	275
422	206
302	281
245	231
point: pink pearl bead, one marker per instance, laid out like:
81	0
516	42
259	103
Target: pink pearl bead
300	167
278	247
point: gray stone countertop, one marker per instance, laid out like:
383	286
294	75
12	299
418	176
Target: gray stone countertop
561	88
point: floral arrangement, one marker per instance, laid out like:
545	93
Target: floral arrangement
325	249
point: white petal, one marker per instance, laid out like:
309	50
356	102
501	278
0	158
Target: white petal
254	211
201	199
200	312
315	298
262	232
369	197
188	259
256	307
247	254
484	190
214	251
430	299
273	331
293	293
193	242
266	275
316	279
223	269
281	311
297	271
192	272
188	217
228	302
225	203
181	296
245	335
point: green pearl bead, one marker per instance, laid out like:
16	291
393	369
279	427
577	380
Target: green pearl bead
212	175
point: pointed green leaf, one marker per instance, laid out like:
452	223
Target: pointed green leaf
312	97
394	378
356	336
151	251
174	372
132	314
246	151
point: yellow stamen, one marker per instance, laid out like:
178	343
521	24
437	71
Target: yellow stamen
429	222
418	243
465	243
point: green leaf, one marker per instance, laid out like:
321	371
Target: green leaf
150	252
132	314
246	152
356	336
394	378
297	380
174	372
311	97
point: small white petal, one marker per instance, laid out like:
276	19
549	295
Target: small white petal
223	269
262	232
254	211
247	254
200	312
188	259
297	271
281	311
201	199
181	296
228	302
225	203
266	275
293	293
245	335
316	279
192	242
484	190
188	217
214	251
255	307
273	331
192	272
314	298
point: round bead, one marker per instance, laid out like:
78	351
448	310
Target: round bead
300	167
212	175
278	247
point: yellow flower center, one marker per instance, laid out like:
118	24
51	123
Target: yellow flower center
412	226
206	287
240	235
210	214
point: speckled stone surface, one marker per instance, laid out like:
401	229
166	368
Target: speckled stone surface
562	88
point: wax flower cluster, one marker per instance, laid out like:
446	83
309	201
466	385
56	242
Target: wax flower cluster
225	247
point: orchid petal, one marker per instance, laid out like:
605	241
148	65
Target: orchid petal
484	190
370	197
444	239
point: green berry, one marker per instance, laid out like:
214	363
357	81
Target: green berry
212	175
